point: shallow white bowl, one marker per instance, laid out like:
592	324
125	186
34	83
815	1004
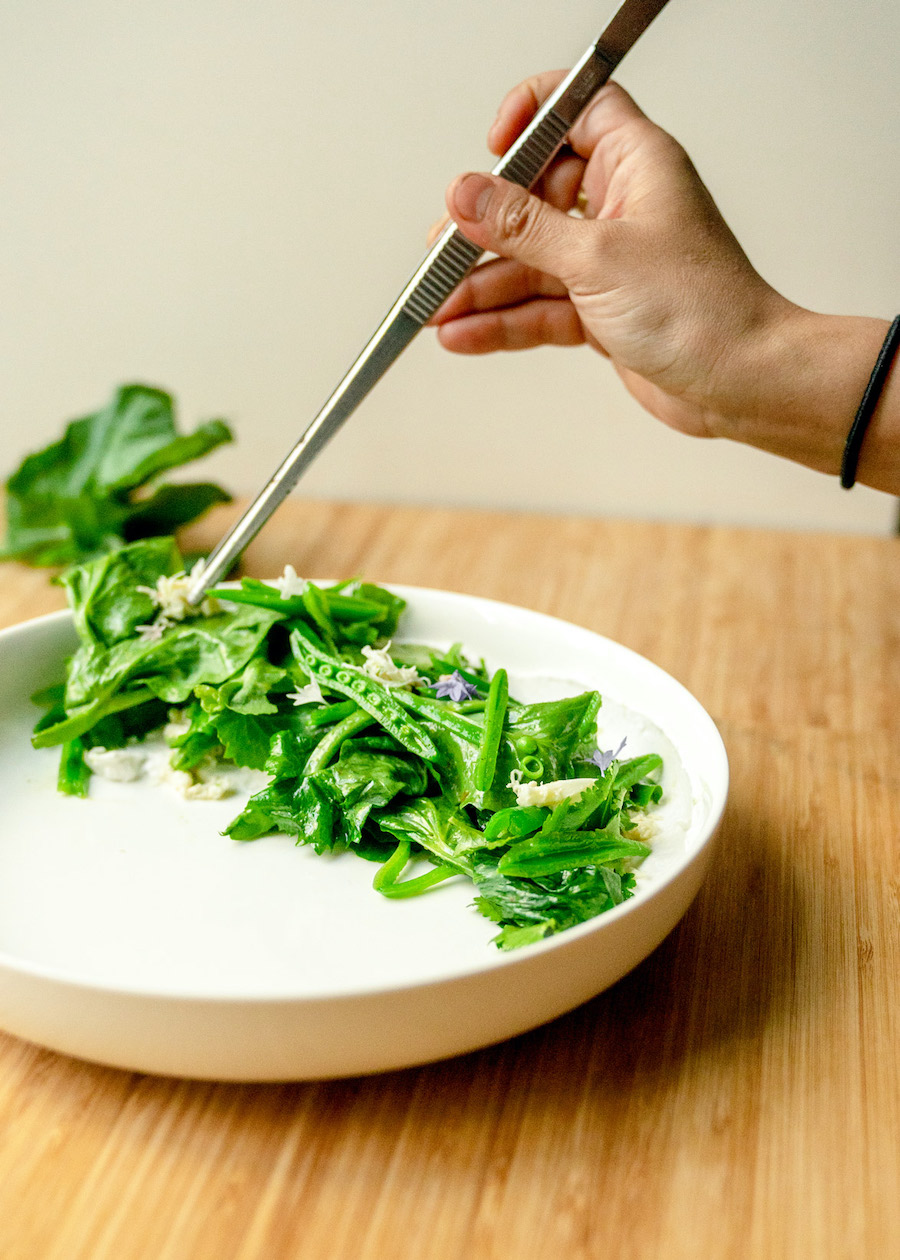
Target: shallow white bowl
134	934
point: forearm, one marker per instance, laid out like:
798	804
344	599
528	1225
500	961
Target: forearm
811	371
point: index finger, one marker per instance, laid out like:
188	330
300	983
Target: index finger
518	108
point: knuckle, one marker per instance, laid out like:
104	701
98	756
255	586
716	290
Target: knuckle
517	215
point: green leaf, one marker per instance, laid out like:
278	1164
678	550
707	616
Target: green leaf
74	499
103	593
170	507
559	901
248	691
437	826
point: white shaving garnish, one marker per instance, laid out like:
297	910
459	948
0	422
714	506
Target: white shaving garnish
379	665
643	828
120	765
206	786
546	793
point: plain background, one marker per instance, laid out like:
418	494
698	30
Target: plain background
222	197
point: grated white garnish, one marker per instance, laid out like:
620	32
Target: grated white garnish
643	828
289	583
208	790
120	765
177	725
379	665
206	786
546	793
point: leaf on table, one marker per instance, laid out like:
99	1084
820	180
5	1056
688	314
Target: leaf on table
78	497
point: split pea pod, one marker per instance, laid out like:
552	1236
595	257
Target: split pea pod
368	692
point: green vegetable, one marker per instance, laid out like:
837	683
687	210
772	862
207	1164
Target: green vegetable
94	490
494	717
397	774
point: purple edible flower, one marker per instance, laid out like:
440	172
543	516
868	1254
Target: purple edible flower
603	760
454	687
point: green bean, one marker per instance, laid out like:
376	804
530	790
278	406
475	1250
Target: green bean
332	740
412	887
494	717
392	869
331	713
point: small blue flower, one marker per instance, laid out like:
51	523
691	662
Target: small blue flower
603	760
454	687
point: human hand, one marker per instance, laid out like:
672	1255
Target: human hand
651	276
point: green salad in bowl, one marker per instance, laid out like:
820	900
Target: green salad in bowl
410	756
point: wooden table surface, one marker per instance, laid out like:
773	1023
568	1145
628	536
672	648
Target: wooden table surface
737	1095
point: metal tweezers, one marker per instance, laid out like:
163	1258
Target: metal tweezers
448	261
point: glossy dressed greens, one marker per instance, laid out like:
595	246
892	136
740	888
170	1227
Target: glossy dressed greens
97	487
364	749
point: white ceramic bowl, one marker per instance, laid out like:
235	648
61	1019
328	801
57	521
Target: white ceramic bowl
134	934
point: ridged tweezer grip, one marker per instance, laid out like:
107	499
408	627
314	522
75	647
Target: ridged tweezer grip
442	271
454	254
524	165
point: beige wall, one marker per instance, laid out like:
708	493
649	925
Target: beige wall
222	198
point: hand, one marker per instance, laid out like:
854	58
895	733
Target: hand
650	275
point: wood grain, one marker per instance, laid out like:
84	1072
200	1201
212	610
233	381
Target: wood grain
737	1095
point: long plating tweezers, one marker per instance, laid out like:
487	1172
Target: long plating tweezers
447	262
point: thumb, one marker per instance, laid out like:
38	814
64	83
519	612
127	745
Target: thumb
509	221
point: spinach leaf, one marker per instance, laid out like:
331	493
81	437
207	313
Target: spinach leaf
550	904
437	826
79	496
104	595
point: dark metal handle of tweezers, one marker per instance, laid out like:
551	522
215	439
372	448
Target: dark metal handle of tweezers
443	267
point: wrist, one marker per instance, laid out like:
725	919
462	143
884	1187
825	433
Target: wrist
805	375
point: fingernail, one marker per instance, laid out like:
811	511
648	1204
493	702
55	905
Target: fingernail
472	195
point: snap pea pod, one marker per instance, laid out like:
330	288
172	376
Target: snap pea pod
74	774
494	717
440	711
332	713
368	693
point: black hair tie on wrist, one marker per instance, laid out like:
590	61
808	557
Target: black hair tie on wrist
853	445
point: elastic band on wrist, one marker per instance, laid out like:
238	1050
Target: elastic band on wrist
853	445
